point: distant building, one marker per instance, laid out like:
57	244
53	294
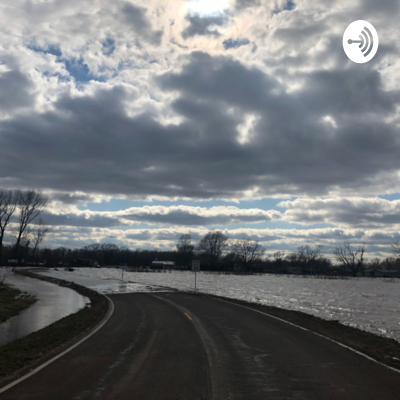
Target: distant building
381	273
294	269
84	262
162	264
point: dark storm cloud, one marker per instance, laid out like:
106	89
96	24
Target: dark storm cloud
14	90
89	143
202	26
136	18
349	93
291	139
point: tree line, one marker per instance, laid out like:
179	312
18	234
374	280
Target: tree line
216	251
19	209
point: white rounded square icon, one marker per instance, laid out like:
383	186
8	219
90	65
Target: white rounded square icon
360	41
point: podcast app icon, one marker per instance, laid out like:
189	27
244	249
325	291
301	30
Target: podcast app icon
360	41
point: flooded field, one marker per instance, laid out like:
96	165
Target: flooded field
371	304
104	285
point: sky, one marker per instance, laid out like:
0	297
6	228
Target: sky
146	120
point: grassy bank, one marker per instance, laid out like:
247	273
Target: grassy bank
17	357
384	350
13	301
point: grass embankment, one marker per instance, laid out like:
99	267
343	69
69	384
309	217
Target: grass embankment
384	350
13	301
16	357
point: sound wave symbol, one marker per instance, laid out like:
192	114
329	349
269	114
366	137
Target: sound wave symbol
366	41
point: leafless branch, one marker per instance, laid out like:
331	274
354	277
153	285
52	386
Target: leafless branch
31	203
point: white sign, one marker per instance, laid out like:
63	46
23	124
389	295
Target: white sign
360	41
196	265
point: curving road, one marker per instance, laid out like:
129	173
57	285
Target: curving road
181	346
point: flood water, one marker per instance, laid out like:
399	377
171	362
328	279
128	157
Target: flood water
54	302
105	286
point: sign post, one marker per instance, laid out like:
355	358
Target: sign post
123	267
195	269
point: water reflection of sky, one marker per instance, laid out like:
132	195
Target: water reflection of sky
54	302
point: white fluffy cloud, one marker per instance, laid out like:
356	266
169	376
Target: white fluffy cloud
156	215
372	221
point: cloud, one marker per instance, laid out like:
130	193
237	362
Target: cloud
90	139
83	219
242	4
107	99
173	215
14	91
136	19
200	216
72	198
356	212
202	26
288	5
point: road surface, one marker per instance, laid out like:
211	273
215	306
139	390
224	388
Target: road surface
182	346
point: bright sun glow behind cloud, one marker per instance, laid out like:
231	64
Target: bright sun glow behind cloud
207	7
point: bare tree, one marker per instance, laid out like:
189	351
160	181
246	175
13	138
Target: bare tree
39	236
391	263
396	251
110	253
228	261
375	263
248	252
293	259
26	240
31	203
353	259
90	251
396	248
278	257
8	204
212	246
185	249
308	256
